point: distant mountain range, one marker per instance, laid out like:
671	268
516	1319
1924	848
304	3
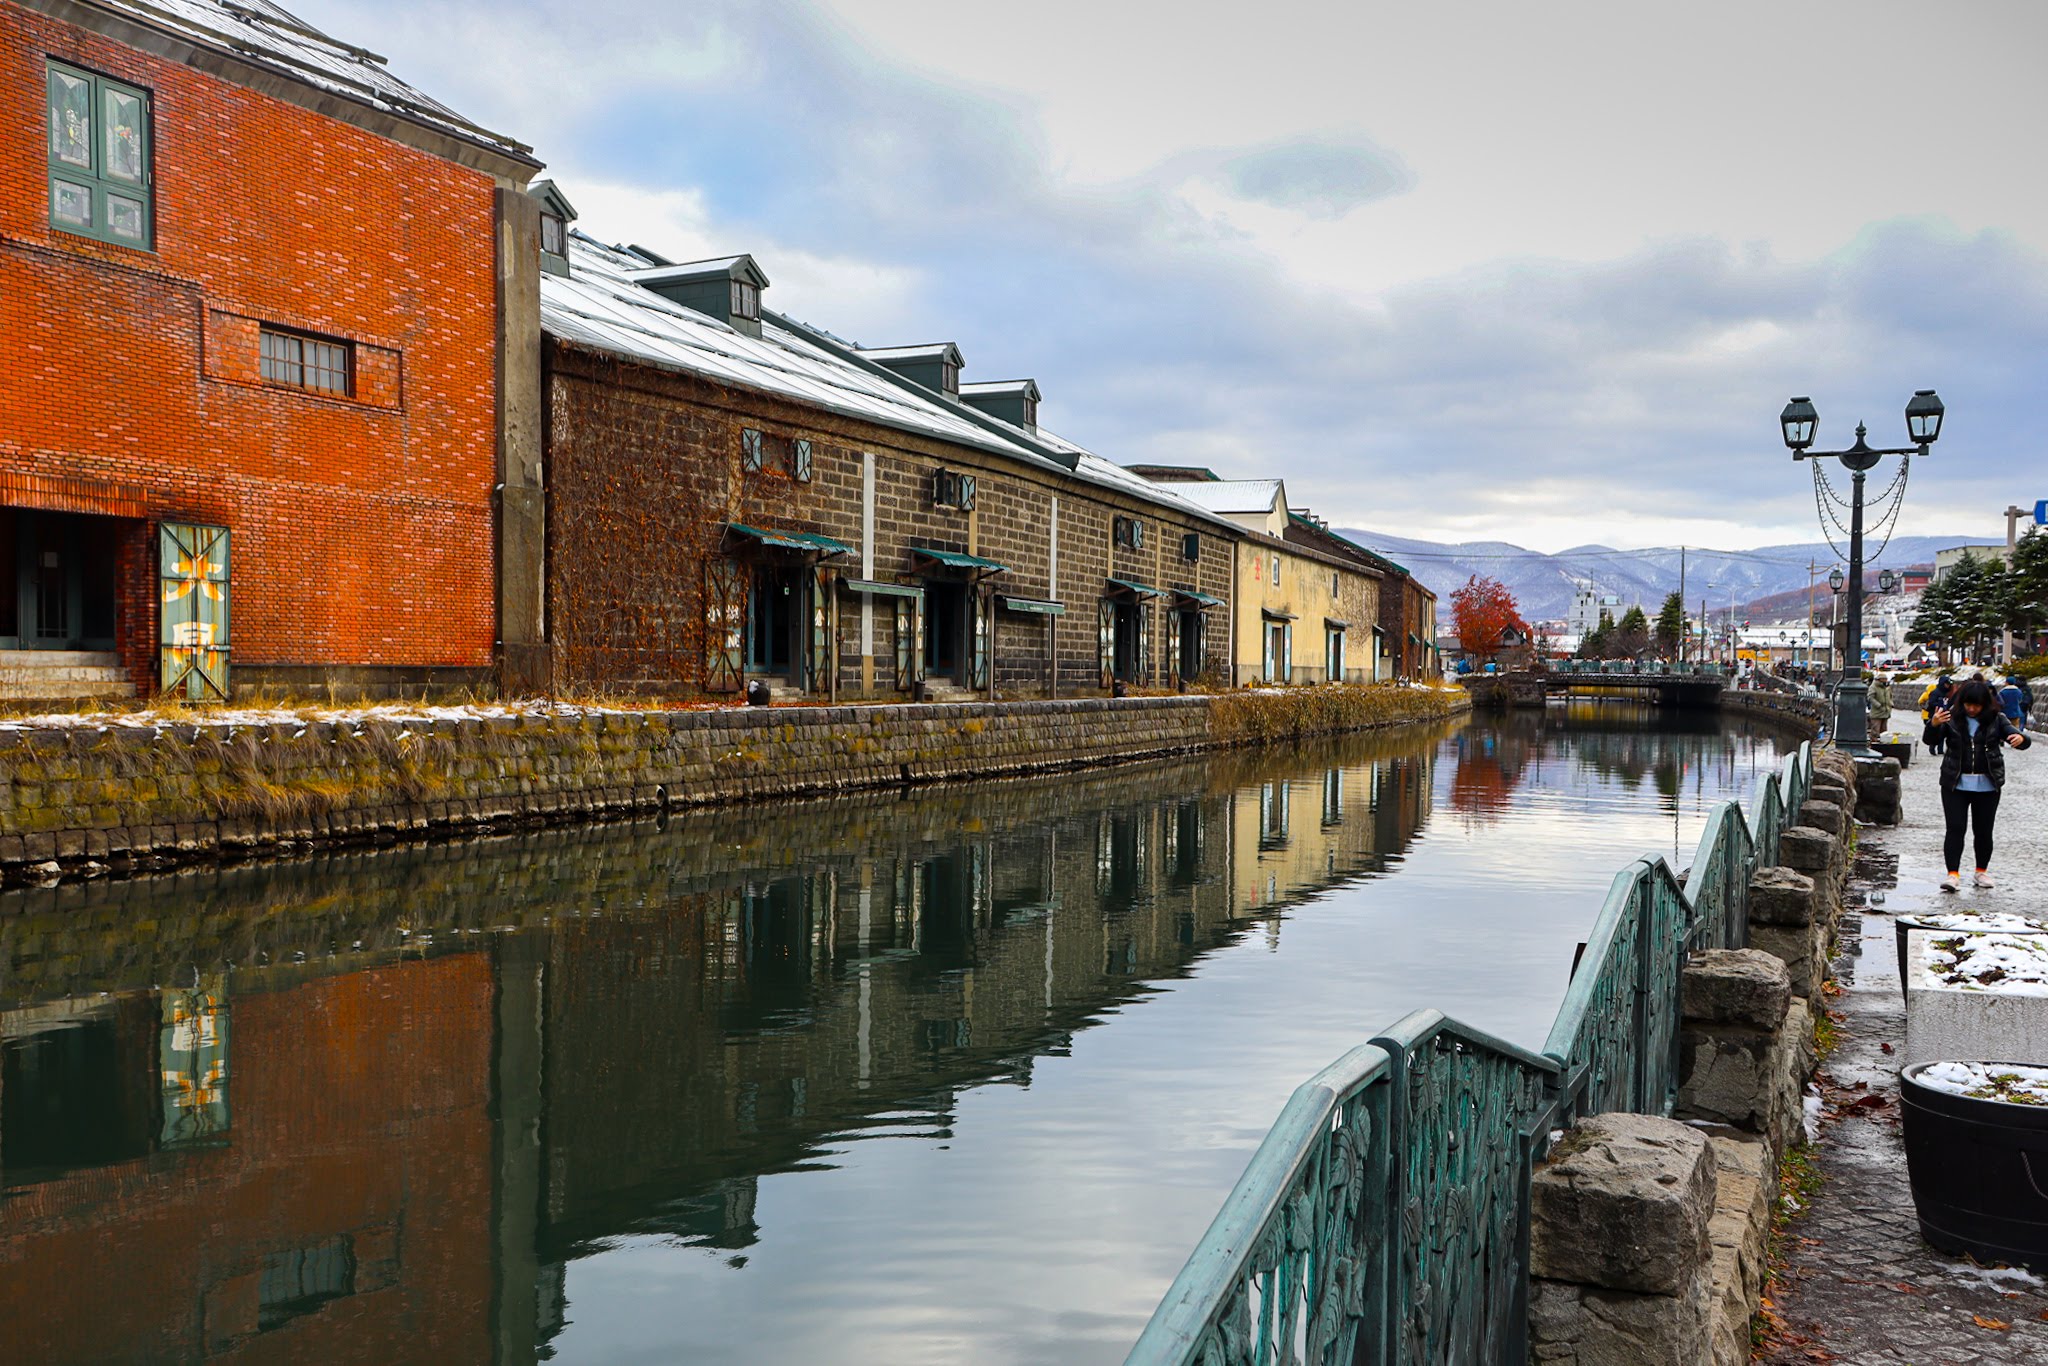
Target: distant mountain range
1543	584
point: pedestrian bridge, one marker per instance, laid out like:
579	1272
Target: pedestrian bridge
1672	685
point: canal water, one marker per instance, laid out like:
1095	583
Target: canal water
957	1075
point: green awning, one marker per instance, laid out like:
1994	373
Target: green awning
1044	607
1201	602
803	542
883	590
1133	588
954	559
1271	614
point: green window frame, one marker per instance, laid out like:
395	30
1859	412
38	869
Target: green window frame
751	450
101	150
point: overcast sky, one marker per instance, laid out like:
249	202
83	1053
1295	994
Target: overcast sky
1539	273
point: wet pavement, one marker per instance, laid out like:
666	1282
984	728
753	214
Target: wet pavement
1859	1284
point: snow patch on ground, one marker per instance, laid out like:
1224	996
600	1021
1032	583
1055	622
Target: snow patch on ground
1810	1106
229	718
2010	964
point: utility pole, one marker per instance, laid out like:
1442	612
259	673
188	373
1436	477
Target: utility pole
1812	568
2012	543
1681	604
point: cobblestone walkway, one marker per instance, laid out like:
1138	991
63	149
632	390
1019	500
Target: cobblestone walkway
1860	1285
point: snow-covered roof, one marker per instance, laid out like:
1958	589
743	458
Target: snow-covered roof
994	387
1231	495
265	33
718	267
940	351
601	304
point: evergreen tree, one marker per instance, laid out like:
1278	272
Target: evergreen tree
1671	624
1979	595
1936	622
1631	636
2027	581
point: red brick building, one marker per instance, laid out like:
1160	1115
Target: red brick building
735	497
251	281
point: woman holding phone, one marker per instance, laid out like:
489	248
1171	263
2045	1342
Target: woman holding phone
1973	734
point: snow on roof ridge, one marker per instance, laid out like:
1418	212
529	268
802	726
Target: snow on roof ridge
262	31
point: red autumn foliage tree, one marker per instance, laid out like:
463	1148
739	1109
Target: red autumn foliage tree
1481	613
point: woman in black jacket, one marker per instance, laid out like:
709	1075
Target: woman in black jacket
1972	772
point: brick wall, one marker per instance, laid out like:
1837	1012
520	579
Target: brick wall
128	387
644	470
124	797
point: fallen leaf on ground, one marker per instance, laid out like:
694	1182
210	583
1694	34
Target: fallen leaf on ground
1995	1325
1887	1047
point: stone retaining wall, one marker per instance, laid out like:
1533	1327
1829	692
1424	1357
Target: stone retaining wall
1806	715
93	800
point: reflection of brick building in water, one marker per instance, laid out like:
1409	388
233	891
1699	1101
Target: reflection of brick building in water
346	1216
401	1156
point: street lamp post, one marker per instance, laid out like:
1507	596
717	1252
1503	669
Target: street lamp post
1799	422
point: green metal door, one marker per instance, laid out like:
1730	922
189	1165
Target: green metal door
1144	652
1173	643
977	609
821	658
192	567
725	622
1108	642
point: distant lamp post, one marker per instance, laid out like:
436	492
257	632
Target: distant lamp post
1835	578
1800	423
1835	581
1887	581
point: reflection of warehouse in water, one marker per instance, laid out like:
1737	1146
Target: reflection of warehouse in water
353	1146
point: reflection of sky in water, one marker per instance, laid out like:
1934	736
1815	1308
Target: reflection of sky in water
1040	1222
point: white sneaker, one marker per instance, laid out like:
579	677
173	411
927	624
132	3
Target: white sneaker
1952	883
1983	879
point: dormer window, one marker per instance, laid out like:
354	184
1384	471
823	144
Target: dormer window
949	378
727	288
1031	412
556	214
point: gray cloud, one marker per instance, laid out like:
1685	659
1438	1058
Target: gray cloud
1637	388
1321	179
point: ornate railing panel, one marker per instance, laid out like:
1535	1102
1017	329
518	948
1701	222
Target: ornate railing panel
1717	884
1295	1267
1385	1218
1474	1107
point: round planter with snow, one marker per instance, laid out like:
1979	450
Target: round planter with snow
1977	1156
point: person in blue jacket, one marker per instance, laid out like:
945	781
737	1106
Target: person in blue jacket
2013	702
1975	734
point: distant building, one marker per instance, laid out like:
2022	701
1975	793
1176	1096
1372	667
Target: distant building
1588	602
1303	611
1945	560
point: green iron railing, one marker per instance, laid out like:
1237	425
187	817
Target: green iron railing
1385	1218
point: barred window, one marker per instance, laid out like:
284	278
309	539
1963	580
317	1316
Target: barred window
319	364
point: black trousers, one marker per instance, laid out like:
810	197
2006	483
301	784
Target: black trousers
1980	810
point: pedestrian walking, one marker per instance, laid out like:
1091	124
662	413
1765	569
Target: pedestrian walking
1974	733
1880	701
2013	702
1932	701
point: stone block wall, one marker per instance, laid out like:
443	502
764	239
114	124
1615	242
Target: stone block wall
127	798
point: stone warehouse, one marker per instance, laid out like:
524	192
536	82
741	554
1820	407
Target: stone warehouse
267	321
735	496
